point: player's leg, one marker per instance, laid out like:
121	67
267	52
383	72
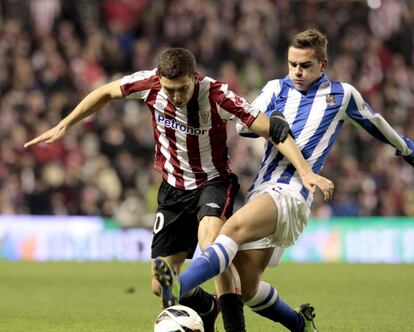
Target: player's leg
255	220
205	304
214	206
227	283
260	296
175	261
175	238
273	211
253	258
199	300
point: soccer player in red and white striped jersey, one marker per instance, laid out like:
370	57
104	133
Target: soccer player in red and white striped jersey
189	114
189	118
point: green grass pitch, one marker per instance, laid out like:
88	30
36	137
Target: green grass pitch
116	297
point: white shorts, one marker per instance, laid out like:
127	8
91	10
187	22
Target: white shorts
293	214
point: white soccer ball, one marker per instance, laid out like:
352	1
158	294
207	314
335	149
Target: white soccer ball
178	318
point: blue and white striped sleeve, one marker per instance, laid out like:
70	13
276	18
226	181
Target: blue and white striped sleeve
359	113
266	97
264	102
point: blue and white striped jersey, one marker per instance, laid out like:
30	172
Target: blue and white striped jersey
316	117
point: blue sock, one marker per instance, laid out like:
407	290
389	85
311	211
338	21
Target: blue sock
214	260
269	304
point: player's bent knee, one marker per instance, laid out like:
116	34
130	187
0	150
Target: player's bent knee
209	228
206	241
235	230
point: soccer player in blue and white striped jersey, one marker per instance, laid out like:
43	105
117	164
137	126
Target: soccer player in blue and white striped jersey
278	205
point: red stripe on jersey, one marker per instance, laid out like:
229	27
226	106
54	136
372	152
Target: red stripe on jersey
193	145
151	82
218	139
172	148
159	157
232	106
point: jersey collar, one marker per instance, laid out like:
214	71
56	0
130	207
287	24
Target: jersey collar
312	89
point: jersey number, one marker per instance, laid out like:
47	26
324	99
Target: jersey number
159	222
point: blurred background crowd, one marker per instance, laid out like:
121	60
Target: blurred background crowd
53	52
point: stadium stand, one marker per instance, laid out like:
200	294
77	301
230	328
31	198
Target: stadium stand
53	52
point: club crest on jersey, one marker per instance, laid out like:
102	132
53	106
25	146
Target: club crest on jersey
204	117
330	100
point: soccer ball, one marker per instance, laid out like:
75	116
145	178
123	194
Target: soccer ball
180	319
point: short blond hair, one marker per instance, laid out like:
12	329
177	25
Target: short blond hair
311	38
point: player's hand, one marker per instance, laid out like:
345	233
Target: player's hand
410	158
312	181
49	136
279	128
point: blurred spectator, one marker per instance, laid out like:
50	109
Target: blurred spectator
53	52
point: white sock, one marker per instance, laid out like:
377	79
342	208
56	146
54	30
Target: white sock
226	249
260	300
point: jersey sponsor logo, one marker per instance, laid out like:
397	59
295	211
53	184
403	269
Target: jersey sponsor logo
330	100
171	123
213	205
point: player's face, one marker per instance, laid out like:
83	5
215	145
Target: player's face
179	90
304	67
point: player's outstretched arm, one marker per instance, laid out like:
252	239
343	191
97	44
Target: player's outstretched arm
89	105
361	115
289	149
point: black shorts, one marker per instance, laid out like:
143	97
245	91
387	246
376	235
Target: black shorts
180	211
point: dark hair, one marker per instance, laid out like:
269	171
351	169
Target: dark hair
311	38
176	62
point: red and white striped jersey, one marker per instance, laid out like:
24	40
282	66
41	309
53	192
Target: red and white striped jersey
190	142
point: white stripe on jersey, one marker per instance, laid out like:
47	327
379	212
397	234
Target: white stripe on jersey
265	95
293	102
204	145
164	141
323	145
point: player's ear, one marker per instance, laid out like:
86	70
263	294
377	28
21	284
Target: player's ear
324	65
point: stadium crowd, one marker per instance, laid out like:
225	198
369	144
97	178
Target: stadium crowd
53	52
